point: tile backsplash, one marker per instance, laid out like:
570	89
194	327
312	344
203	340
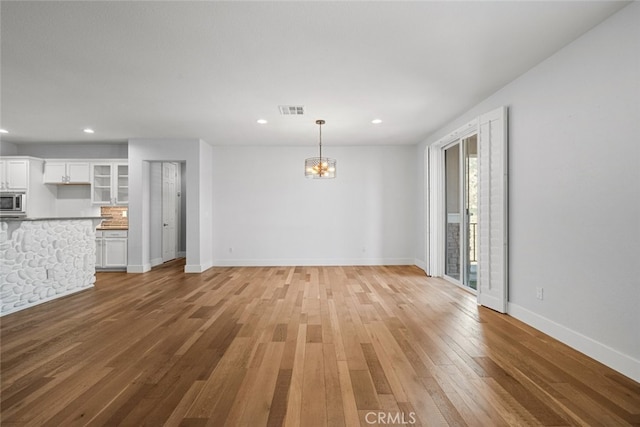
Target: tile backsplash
118	214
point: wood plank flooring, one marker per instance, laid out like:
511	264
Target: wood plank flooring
294	346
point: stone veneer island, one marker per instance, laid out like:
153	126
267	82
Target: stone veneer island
42	259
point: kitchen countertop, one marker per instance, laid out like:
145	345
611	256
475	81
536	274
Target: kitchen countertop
68	218
64	218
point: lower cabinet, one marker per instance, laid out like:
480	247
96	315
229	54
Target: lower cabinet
111	249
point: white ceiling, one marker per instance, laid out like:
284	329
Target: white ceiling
211	69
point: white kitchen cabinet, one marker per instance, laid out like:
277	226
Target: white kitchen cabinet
66	172
14	174
23	174
110	183
99	250
111	249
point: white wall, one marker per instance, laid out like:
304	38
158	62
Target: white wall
41	199
74	200
195	154
205	205
8	148
267	213
574	189
182	246
155	213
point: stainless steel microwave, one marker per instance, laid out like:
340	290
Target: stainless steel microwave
13	204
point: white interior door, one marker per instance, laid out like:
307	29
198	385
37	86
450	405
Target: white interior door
169	211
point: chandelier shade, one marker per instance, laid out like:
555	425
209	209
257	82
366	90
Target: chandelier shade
320	167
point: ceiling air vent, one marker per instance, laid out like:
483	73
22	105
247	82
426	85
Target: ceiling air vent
291	110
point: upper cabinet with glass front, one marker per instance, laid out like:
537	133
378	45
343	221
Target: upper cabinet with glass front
122	178
110	183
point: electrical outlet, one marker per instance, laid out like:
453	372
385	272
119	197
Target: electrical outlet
540	293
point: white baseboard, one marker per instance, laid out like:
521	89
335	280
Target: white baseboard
604	354
42	301
194	268
181	254
310	262
156	261
138	268
421	264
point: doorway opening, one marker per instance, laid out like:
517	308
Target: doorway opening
167	213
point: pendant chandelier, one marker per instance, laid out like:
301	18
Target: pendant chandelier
320	167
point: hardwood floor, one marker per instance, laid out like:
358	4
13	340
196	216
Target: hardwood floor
294	346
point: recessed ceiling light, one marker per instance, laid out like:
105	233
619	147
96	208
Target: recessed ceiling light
376	121
4	131
262	121
87	130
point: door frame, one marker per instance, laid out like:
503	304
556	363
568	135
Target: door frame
493	275
436	211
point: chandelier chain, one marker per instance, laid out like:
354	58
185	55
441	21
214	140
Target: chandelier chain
320	125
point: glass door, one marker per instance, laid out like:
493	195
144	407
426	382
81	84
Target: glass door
461	214
101	177
452	267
